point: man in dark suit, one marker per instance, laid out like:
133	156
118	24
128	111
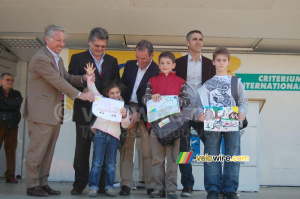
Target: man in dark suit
135	77
195	69
47	80
106	69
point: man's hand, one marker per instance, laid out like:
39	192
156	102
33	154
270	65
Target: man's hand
202	117
85	90
133	119
88	96
241	117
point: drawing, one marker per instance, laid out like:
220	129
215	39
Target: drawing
222	119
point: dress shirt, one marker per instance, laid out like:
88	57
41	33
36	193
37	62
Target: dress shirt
98	64
139	76
194	82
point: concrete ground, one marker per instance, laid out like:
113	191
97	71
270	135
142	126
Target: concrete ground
18	191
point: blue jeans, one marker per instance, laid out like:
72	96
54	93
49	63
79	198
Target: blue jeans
214	180
103	143
187	178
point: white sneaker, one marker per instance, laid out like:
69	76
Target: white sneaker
92	193
111	192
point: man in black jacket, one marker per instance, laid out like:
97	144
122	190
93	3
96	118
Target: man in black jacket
196	70
106	69
10	116
135	77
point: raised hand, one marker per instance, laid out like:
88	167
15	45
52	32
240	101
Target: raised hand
90	69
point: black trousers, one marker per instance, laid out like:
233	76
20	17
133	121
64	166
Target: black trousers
84	137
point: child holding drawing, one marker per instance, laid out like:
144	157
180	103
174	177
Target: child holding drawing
216	92
166	83
107	134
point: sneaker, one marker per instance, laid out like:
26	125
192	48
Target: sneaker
92	193
172	195
111	192
158	194
231	195
125	191
186	191
212	195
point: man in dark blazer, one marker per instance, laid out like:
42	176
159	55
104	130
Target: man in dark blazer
135	77
106	69
47	80
195	69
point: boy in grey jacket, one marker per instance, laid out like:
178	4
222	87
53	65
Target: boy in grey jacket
216	92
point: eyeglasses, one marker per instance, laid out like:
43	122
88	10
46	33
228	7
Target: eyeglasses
9	80
99	46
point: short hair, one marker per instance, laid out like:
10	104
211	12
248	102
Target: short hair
98	33
221	51
188	36
167	54
145	45
50	30
4	74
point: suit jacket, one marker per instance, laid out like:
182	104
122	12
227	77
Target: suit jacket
129	76
208	69
110	71
45	87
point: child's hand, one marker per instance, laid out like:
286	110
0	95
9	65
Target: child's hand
90	69
123	112
202	117
241	117
156	97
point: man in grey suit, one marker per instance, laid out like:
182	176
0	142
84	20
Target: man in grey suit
47	80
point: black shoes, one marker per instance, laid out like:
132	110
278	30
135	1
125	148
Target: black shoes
50	191
11	179
37	191
212	195
77	191
149	191
231	196
125	191
186	191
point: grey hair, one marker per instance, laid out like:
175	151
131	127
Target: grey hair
145	45
4	74
50	30
188	36
98	33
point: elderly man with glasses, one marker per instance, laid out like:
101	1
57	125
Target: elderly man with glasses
10	116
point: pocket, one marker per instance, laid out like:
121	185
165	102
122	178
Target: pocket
46	94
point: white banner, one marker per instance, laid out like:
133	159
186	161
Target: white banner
107	108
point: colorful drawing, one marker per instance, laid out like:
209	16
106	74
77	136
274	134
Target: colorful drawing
168	105
222	119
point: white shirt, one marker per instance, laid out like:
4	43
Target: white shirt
98	64
194	82
139	76
56	57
